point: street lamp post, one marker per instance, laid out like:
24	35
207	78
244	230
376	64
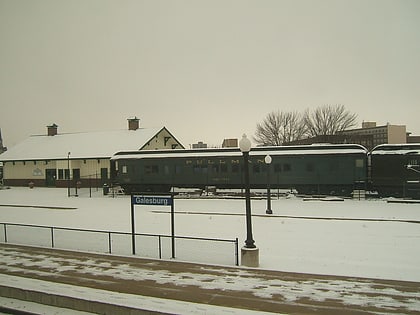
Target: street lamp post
268	161
249	253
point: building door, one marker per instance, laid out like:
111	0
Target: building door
104	175
50	177
76	174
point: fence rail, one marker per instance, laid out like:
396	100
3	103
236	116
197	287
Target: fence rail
208	250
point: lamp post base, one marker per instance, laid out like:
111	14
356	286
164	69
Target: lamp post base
269	211
250	257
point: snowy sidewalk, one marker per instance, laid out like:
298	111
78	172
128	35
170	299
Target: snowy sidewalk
184	288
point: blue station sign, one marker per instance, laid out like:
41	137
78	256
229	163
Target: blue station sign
147	200
150	200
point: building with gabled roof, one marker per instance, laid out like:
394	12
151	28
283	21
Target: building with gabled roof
58	160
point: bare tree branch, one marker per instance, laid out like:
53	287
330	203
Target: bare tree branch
328	120
279	127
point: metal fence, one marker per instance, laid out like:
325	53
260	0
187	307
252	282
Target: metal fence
192	249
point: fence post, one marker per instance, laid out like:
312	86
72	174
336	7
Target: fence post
5	233
52	237
109	242
173	225
236	252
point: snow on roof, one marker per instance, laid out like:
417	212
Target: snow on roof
405	148
259	151
83	145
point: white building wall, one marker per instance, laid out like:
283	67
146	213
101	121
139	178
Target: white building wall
397	134
27	169
36	170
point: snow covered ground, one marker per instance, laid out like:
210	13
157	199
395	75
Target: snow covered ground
367	238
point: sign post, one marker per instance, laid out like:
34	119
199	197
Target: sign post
152	200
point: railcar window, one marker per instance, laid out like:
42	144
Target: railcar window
223	168
277	168
287	167
151	169
359	163
200	169
178	169
235	168
256	168
215	168
124	169
166	169
310	167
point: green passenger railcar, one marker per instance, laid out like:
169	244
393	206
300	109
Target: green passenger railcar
395	170
315	169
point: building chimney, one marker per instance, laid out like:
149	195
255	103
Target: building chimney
133	123
52	130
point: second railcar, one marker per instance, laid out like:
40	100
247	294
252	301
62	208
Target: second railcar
314	169
395	170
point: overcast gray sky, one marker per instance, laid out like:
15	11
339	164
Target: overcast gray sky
205	69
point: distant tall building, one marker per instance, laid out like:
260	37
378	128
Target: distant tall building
230	143
370	135
380	134
199	145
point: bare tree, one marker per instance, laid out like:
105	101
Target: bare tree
279	127
328	120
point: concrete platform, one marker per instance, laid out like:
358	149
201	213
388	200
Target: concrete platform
125	285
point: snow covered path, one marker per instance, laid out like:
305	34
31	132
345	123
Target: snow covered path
251	289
